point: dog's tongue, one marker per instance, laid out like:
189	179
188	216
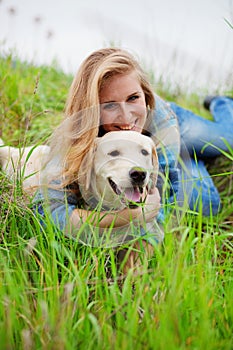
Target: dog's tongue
132	194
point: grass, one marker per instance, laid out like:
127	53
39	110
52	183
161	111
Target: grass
56	294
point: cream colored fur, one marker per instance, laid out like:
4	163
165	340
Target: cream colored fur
117	155
23	163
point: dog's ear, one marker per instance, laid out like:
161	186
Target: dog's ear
87	167
155	162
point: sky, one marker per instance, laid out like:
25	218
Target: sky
183	41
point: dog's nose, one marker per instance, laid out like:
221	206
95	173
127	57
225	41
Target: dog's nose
137	175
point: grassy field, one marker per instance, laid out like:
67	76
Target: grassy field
56	294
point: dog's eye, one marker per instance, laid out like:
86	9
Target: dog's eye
114	153
144	152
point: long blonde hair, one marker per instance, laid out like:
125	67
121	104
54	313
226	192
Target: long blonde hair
76	135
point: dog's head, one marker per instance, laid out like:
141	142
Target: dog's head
124	168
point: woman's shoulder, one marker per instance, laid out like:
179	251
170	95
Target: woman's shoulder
163	112
164	130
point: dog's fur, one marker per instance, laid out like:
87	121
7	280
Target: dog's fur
23	164
124	168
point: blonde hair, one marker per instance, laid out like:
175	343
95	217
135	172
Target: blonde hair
76	135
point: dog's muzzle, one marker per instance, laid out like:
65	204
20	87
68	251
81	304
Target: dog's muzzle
133	194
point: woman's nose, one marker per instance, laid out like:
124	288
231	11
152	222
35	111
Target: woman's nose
124	112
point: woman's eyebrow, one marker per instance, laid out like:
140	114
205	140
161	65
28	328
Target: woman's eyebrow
131	94
136	93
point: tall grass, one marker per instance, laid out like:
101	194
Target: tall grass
58	294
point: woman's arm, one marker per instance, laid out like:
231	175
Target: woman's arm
64	212
142	214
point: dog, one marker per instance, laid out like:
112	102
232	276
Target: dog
124	167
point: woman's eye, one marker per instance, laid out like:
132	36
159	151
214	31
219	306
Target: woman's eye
144	152
114	153
111	105
133	98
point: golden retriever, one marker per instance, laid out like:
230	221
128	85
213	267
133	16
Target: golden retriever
124	168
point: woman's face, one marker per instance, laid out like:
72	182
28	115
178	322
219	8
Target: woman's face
123	105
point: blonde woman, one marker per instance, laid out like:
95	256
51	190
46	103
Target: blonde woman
112	92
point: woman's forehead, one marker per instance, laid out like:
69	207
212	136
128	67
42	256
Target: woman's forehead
120	85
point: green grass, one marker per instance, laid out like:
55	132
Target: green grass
56	294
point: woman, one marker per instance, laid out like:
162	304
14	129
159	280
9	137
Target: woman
111	92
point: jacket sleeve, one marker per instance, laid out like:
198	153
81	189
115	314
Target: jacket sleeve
167	139
55	204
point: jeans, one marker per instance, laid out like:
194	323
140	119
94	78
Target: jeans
201	140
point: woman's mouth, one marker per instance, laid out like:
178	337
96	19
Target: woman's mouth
127	127
123	127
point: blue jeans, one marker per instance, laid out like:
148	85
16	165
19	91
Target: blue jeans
204	139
